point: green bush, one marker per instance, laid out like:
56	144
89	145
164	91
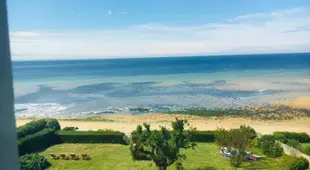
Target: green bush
33	162
204	136
36	126
295	163
38	141
294	143
52	124
300	137
92	137
70	129
269	146
306	150
31	128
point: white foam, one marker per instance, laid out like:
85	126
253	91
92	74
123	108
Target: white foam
41	109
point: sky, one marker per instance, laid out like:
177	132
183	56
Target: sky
81	29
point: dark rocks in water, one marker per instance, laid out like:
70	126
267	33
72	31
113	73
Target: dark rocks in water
140	109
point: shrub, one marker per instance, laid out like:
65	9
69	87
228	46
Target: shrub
52	124
204	136
31	128
306	150
301	137
38	141
296	163
294	143
92	137
70	128
33	162
269	146
36	126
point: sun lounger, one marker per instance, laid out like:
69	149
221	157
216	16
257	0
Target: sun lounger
85	156
55	157
74	156
64	157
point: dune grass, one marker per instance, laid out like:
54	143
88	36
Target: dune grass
113	156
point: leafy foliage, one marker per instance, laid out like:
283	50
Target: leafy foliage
36	126
294	143
162	146
285	136
52	124
92	137
237	141
33	162
70	128
269	146
31	128
204	136
296	163
306	150
38	141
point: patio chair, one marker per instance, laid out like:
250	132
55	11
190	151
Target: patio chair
55	157
85	156
64	157
74	156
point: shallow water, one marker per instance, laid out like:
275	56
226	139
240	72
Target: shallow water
158	84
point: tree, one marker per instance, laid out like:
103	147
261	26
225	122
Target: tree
236	142
162	146
269	146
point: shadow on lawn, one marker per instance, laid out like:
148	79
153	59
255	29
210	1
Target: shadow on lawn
206	168
261	164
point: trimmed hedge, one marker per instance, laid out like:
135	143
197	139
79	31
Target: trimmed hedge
36	126
38	141
31	128
204	136
92	137
285	136
33	162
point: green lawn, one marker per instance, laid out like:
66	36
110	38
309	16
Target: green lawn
117	157
304	145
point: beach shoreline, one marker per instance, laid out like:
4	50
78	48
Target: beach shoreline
128	123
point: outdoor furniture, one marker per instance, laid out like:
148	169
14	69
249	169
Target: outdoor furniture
74	156
55	157
85	156
64	157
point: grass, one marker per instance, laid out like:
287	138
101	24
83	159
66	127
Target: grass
113	156
304	145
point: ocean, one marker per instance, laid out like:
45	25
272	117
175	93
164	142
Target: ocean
139	85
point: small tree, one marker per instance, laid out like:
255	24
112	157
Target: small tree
162	146
270	147
236	142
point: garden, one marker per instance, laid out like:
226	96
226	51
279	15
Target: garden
44	145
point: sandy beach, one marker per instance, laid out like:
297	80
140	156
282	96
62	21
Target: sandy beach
127	123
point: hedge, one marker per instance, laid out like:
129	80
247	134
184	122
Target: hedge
204	136
36	126
92	137
285	136
38	141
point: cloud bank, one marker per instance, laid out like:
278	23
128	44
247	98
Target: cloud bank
271	32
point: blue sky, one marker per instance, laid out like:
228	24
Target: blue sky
70	29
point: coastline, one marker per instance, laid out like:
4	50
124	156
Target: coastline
127	123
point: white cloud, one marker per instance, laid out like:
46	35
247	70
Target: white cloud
109	12
281	31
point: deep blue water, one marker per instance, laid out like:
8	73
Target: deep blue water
171	83
158	66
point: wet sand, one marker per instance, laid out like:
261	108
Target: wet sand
127	123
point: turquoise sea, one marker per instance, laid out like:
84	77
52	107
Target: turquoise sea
81	87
